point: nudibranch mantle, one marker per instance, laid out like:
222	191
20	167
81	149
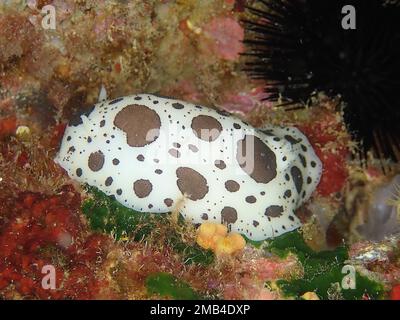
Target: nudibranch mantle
156	154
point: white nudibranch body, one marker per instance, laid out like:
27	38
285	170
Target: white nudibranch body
156	154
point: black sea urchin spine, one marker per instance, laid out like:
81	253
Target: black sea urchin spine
300	48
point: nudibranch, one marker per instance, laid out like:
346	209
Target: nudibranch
157	155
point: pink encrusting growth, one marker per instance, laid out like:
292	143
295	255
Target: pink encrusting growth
224	37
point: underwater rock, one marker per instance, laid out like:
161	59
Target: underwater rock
158	155
224	36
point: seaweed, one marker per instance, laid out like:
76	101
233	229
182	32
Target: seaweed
107	215
192	254
323	271
166	285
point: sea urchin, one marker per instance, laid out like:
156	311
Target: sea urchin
300	48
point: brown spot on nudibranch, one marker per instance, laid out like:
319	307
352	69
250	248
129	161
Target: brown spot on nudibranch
178	105
228	215
287	194
96	161
292	140
142	188
204	216
206	128
108	181
232	186
140	123
193	148
223	113
256	159
274	211
303	160
268	132
220	164
168	202
313	164
79	172
116	100
297	178
192	183
175	153
251	199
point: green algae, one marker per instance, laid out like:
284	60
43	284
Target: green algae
109	216
322	271
106	215
168	286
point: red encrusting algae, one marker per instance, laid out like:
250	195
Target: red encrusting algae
38	230
330	141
